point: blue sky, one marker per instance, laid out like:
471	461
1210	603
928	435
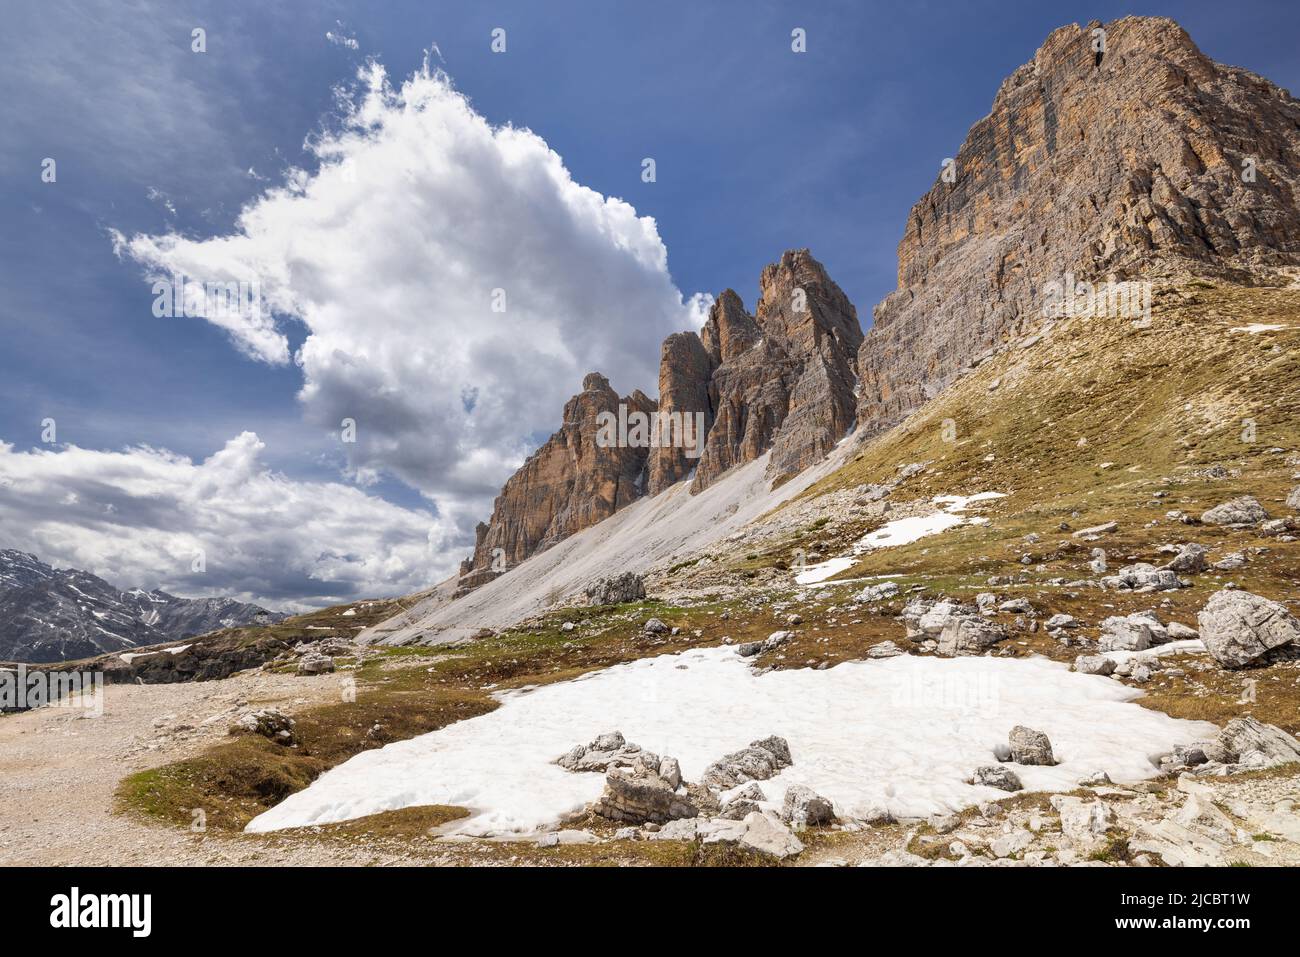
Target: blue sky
757	150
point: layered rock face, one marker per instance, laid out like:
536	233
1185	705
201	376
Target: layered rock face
1144	160
571	482
784	377
782	380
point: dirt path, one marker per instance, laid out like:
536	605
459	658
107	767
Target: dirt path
60	767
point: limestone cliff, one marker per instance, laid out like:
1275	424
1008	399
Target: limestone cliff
1138	159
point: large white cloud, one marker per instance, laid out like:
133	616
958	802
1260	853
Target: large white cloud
140	516
390	254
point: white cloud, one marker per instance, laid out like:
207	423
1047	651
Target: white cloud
390	255
139	517
342	39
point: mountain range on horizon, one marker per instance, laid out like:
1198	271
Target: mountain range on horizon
51	615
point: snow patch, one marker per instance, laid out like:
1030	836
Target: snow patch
904	733
902	531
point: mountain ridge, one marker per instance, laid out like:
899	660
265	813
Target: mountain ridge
49	615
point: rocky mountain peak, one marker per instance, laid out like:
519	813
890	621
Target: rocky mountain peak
781	381
1120	149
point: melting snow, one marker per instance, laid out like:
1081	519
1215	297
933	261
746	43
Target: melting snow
131	656
902	531
904	732
1256	327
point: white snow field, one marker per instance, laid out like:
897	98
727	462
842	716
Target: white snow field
671	525
903	733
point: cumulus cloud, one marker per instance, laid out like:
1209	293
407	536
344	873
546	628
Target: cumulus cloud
454	282
139	517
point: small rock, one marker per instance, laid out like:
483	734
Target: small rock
1029	746
996	776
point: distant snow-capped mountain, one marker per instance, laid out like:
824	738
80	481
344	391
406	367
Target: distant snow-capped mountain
47	614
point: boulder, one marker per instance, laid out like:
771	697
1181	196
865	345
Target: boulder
609	750
1016	606
1293	500
749	649
1189	560
765	834
1239	512
617	589
671	772
1029	746
968	635
1125	633
743	802
1084	823
639	796
803	807
314	663
1238	627
1094	665
655	627
776	639
996	776
1242	737
1142	576
758	762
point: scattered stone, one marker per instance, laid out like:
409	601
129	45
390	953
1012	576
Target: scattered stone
269	723
877	592
1230	562
655	627
671	772
1238	627
1062	621
1180	632
1029	746
1016	606
749	649
1096	779
1293	500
